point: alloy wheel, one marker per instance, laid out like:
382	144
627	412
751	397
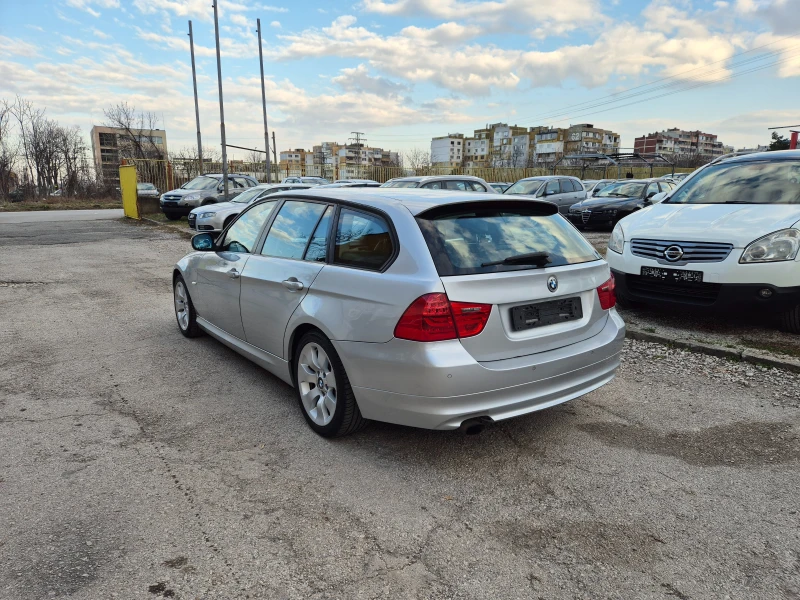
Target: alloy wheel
317	383
182	305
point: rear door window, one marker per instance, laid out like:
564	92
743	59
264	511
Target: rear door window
433	185
463	238
292	229
477	187
566	186
318	246
362	240
458	185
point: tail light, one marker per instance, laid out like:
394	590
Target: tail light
607	294
433	318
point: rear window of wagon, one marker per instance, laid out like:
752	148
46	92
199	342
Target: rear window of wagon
463	237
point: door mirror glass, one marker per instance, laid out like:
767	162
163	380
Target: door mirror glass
656	198
202	242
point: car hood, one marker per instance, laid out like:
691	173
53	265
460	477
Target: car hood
218	207
737	224
591	203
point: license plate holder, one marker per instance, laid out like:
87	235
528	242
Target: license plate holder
672	275
539	314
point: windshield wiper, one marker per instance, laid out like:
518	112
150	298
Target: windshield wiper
539	259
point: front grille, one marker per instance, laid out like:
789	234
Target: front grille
705	252
171	198
692	293
586	215
192	220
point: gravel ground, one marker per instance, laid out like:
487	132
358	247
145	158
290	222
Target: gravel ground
135	463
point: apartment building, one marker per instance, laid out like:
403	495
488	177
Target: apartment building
478	150
448	150
679	141
110	145
349	159
548	143
586	138
503	153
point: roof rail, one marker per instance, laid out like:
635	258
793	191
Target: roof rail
734	154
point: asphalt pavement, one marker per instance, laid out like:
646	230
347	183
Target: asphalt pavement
136	463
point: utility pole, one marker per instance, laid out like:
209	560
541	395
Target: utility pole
274	151
196	106
263	98
221	110
359	141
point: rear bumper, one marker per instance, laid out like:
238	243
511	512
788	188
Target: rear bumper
439	385
716	296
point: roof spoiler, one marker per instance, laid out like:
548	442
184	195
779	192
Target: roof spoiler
533	208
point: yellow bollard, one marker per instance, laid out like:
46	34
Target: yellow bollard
127	183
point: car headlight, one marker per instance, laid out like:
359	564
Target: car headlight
192	197
781	245
617	241
207	215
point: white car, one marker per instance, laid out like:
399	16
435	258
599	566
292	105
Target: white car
216	217
726	238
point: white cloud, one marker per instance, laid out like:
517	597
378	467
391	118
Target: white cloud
546	17
101	34
86	5
433	55
16	47
200	9
358	79
783	16
275	24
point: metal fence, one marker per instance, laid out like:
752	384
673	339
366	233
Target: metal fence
168	175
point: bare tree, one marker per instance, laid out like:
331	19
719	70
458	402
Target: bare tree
72	149
417	158
186	162
137	140
9	149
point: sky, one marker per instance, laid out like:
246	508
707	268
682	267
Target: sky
403	71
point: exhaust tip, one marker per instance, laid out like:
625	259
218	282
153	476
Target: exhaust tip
475	425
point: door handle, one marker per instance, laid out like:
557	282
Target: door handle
292	284
234	274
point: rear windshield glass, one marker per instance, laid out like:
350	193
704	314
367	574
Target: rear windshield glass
248	196
761	182
464	239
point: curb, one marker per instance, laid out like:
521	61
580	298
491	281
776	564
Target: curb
749	356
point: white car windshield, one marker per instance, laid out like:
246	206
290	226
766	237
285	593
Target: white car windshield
755	182
531	186
248	196
200	183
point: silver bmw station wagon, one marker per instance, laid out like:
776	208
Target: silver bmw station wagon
407	306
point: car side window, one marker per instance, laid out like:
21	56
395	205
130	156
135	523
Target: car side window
242	235
552	187
577	185
652	189
318	247
362	240
433	185
566	186
292	228
477	187
458	185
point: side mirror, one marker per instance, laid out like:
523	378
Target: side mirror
203	242
656	198
650	195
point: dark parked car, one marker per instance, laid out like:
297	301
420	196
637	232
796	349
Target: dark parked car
202	190
616	201
500	186
147	190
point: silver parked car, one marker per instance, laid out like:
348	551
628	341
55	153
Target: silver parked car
147	190
561	190
463	183
216	217
311	180
408	306
201	191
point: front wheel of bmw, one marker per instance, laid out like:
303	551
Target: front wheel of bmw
184	309
326	398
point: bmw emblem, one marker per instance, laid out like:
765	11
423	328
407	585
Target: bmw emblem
552	283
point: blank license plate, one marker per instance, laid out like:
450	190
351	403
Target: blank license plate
546	313
673	275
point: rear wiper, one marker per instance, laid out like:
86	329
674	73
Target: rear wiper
538	259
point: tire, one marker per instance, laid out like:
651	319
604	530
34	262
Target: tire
185	313
316	362
790	320
208	201
173	216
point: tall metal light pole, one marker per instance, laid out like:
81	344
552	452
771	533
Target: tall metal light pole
221	110
196	105
263	100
